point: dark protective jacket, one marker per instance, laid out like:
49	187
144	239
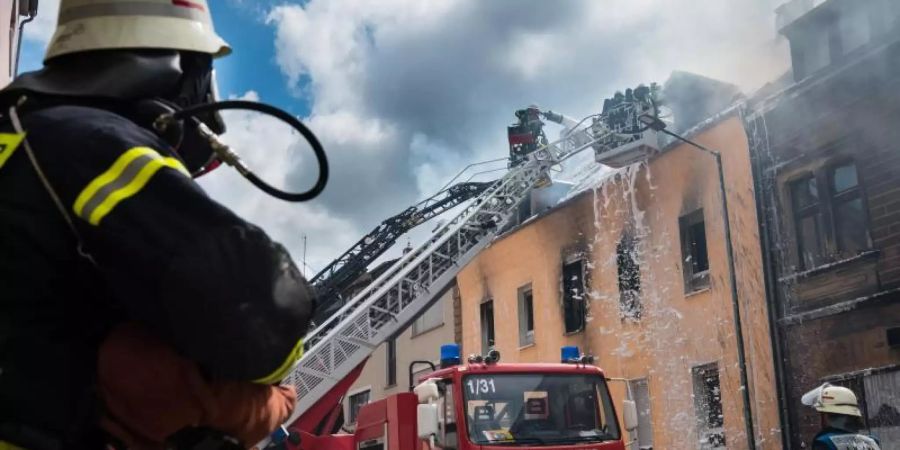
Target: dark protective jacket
213	286
838	439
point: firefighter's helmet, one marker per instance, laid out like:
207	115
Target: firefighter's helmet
833	400
86	25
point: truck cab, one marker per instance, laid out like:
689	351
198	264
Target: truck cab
485	404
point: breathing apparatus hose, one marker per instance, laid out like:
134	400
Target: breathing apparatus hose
231	158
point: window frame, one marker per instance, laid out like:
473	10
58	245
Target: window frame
800	213
391	363
699	381
836	199
353	416
633	303
693	281
829	233
488	334
526	315
569	300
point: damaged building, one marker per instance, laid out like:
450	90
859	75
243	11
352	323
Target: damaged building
630	266
825	147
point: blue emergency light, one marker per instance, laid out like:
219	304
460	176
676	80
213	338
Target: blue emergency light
569	353
449	355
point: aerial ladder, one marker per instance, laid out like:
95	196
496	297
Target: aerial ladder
338	346
331	282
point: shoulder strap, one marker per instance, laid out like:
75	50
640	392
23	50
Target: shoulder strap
17	125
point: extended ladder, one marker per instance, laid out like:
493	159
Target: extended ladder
403	292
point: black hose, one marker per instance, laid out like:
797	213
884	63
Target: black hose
317	149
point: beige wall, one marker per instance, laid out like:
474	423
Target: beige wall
423	346
676	331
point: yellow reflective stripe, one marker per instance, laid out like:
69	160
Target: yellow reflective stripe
126	177
7	446
109	176
9	142
176	164
285	367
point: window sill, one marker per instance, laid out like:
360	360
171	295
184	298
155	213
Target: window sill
418	333
572	333
525	346
696	292
390	386
827	267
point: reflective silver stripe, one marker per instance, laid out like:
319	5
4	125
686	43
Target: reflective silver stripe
128	173
132	9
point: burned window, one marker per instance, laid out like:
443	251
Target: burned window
694	256
629	279
487	326
829	215
708	406
355	402
808	221
526	315
391	362
573	295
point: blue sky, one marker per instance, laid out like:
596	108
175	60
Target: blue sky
252	66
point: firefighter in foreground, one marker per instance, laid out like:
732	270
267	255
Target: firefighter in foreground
133	307
841	419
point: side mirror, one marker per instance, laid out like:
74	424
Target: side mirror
427	420
427	391
629	414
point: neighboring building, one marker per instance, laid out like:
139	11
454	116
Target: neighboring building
826	152
387	370
633	270
13	14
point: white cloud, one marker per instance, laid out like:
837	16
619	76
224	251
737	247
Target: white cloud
40	30
269	148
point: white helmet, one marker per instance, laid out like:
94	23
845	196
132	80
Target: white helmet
832	399
86	25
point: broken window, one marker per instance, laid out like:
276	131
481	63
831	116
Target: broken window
356	402
391	362
629	279
708	406
487	326
695	259
830	223
526	315
573	295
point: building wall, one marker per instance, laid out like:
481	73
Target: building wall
676	331
410	347
833	318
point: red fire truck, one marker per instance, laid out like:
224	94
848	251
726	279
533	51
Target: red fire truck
487	404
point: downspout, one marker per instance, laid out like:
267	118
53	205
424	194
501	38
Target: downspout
32	13
769	279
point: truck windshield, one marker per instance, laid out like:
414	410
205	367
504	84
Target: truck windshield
549	409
